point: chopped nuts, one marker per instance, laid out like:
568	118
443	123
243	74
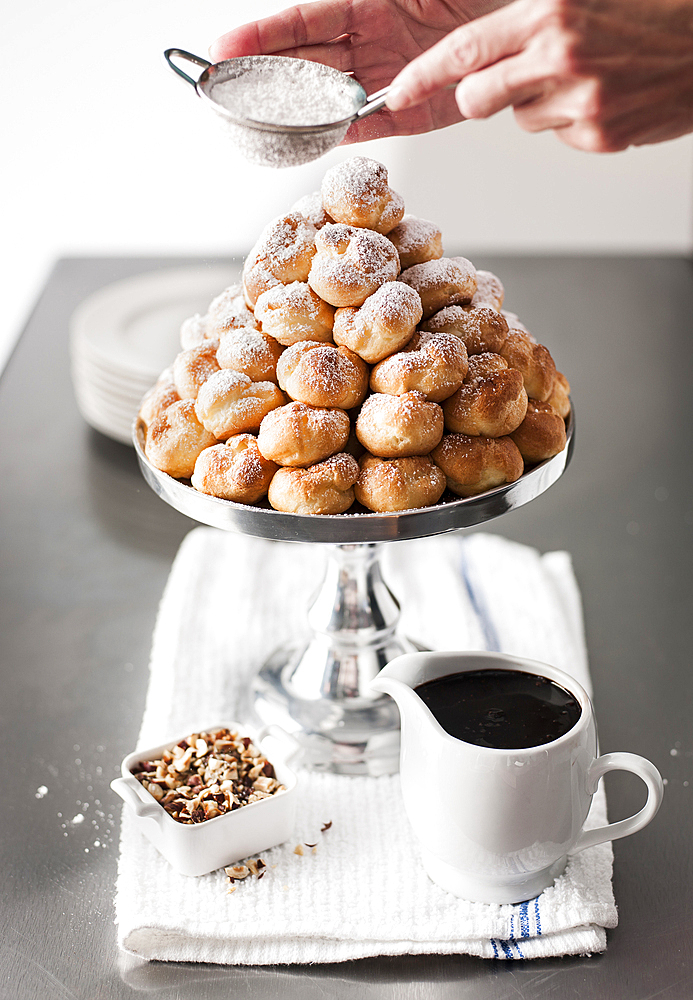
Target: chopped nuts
208	774
238	871
253	866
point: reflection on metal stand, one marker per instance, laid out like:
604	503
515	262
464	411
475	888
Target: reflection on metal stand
319	691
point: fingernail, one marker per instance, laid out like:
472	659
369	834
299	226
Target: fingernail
397	99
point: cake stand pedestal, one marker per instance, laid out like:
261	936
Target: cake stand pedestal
319	692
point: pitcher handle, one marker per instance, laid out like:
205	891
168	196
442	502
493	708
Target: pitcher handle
624	827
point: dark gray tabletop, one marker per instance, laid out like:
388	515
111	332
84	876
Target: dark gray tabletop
85	551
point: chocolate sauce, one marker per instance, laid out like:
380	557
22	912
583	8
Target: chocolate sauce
504	709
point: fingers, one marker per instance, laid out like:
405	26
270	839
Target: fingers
603	117
511	82
465	50
305	24
656	123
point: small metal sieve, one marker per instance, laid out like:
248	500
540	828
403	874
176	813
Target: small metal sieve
268	143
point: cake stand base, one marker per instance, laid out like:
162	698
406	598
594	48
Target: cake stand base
319	691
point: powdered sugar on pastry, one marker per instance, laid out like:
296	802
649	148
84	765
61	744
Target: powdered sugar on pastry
250	351
444	282
234	471
489	290
295	312
383	324
310	206
323	375
416	241
399	426
356	193
192	368
228	311
323	488
481	328
282	254
231	403
350	264
193	331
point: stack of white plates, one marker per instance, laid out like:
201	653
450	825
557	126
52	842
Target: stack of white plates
126	334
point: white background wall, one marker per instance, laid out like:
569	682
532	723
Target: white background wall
105	151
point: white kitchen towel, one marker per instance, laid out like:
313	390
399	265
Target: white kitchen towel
229	602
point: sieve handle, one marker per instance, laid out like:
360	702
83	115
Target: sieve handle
377	101
373	103
182	54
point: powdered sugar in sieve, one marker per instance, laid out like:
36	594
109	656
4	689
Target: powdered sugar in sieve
280	112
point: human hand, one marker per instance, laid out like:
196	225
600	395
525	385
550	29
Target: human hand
603	74
373	39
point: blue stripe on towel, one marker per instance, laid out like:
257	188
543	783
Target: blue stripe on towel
537	917
491	640
506	948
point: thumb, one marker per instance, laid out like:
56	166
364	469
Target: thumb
468	48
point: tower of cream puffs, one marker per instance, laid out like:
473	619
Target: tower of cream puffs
355	363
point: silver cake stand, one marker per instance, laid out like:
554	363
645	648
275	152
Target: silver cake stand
318	691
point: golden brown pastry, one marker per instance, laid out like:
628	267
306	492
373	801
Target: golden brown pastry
228	311
383	324
398	483
533	360
433	363
283	254
489	290
473	465
324	488
192	368
560	396
416	241
175	438
291	313
447	281
159	397
356	193
491	402
250	351
300	435
350	264
194	332
231	403
514	323
541	434
399	426
310	206
323	375
482	329
234	471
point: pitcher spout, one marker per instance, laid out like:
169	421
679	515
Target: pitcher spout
398	680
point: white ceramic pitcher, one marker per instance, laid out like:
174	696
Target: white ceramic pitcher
497	826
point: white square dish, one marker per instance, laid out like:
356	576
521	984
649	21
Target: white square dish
198	848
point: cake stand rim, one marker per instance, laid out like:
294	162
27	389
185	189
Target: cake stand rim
358	528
